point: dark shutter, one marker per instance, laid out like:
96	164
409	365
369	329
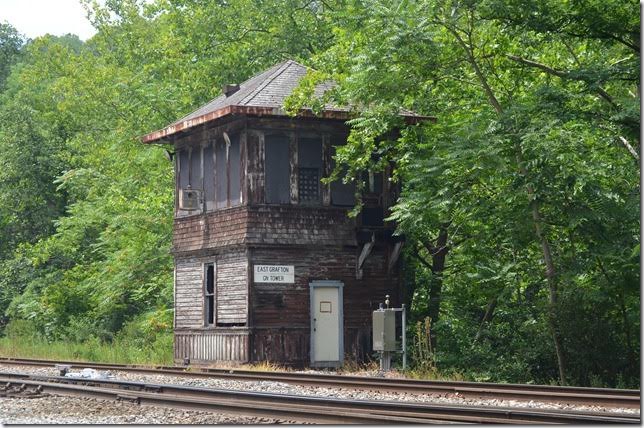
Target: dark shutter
184	168
234	161
277	170
209	177
195	168
221	180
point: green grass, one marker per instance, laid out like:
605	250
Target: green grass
118	352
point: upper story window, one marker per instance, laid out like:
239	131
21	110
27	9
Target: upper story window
277	170
309	153
214	170
293	166
342	194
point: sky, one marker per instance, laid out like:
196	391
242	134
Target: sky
35	18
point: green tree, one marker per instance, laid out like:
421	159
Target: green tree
516	173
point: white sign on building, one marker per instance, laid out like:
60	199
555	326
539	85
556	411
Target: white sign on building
274	273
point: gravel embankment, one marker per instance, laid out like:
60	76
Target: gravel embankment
141	414
78	410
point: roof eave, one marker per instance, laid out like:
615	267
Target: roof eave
257	111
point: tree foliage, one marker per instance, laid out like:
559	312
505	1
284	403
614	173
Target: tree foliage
520	202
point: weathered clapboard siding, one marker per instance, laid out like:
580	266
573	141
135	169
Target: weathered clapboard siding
188	293
203	346
231	288
231	285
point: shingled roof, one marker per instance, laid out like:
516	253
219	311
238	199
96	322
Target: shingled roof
261	95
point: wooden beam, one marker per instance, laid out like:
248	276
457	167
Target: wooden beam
366	250
395	254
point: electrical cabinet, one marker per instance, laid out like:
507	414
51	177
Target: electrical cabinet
384	330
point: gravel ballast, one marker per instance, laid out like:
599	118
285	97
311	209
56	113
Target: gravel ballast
85	410
79	410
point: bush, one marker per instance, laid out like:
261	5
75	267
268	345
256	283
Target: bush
21	329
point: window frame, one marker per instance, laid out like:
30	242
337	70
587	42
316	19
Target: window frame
209	295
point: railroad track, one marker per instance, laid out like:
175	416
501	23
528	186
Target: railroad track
605	397
292	407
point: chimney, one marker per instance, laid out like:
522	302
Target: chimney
230	89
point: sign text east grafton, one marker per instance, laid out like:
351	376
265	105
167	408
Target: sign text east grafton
274	273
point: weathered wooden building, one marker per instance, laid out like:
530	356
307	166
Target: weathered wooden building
268	266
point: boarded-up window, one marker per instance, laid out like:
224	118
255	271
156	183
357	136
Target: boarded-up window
232	292
234	164
209	176
195	168
309	153
184	168
221	180
341	194
209	294
277	169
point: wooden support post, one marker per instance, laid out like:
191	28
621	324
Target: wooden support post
395	254
366	250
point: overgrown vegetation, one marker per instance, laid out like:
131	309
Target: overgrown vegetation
520	204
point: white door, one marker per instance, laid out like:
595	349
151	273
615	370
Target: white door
326	323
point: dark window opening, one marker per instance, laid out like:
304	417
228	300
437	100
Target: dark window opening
209	294
373	216
373	181
309	185
309	160
277	171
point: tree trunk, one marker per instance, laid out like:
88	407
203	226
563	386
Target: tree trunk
487	317
550	273
550	269
439	254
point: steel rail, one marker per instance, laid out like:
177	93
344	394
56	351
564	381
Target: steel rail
547	393
301	408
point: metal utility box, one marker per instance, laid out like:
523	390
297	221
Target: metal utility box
384	330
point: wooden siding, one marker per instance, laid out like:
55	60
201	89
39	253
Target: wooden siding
188	301
255	167
203	346
291	346
298	225
259	225
281	313
222	228
231	288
